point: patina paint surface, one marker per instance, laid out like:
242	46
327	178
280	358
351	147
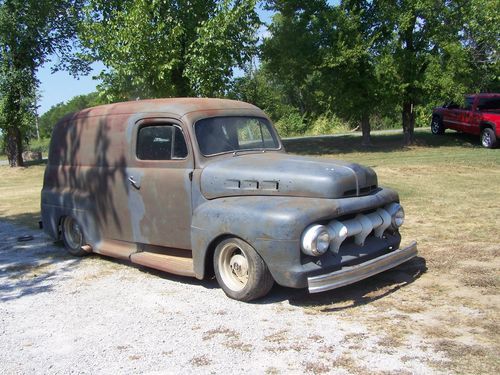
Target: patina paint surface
285	175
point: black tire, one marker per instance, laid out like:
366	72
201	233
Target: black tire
437	127
72	236
488	138
240	271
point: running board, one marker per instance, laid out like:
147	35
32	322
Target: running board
178	265
115	249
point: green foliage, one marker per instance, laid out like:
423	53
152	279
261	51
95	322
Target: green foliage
293	53
258	87
41	145
328	124
56	112
371	62
291	123
30	31
168	48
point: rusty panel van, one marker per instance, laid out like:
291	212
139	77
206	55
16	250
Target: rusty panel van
203	187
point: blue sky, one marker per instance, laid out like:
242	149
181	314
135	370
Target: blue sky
60	87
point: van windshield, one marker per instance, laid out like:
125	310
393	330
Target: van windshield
218	135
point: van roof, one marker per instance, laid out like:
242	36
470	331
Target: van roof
177	106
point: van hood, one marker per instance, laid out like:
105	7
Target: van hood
285	175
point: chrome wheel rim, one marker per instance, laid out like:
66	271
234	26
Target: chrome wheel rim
233	267
435	126
486	139
73	233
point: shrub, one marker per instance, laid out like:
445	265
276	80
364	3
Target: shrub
291	123
328	124
41	145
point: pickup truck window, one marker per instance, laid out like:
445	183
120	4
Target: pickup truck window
469	102
228	134
489	104
161	142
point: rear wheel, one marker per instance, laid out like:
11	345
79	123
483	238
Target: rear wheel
437	125
73	238
488	138
240	271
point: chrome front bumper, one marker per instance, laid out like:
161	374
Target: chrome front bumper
349	275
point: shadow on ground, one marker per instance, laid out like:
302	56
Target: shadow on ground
28	219
354	295
380	143
28	268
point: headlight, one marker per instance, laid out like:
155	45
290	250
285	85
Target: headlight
397	214
315	240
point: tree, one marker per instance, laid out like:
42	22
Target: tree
168	48
258	86
30	31
292	54
56	112
349	66
322	56
434	48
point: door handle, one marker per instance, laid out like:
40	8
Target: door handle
134	183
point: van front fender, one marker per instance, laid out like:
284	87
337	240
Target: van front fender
271	225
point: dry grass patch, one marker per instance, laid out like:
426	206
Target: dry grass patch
316	367
220	331
200	361
272	371
471	359
277	337
231	339
20	194
21	271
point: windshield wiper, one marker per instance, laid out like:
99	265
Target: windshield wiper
249	151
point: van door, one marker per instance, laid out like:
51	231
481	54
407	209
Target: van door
159	178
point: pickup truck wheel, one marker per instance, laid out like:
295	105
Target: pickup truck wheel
488	138
437	125
240	271
73	237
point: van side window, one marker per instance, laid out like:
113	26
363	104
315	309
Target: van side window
180	148
160	142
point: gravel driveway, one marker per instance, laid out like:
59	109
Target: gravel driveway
62	315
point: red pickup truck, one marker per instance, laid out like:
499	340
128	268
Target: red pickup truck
480	115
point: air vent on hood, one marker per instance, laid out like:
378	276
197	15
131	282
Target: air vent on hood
363	191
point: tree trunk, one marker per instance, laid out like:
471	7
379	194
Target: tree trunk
181	84
13	136
365	129
408	123
14	147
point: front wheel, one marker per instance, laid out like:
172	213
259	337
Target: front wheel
437	126
488	138
240	271
73	238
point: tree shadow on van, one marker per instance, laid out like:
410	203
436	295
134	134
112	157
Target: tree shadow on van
87	175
